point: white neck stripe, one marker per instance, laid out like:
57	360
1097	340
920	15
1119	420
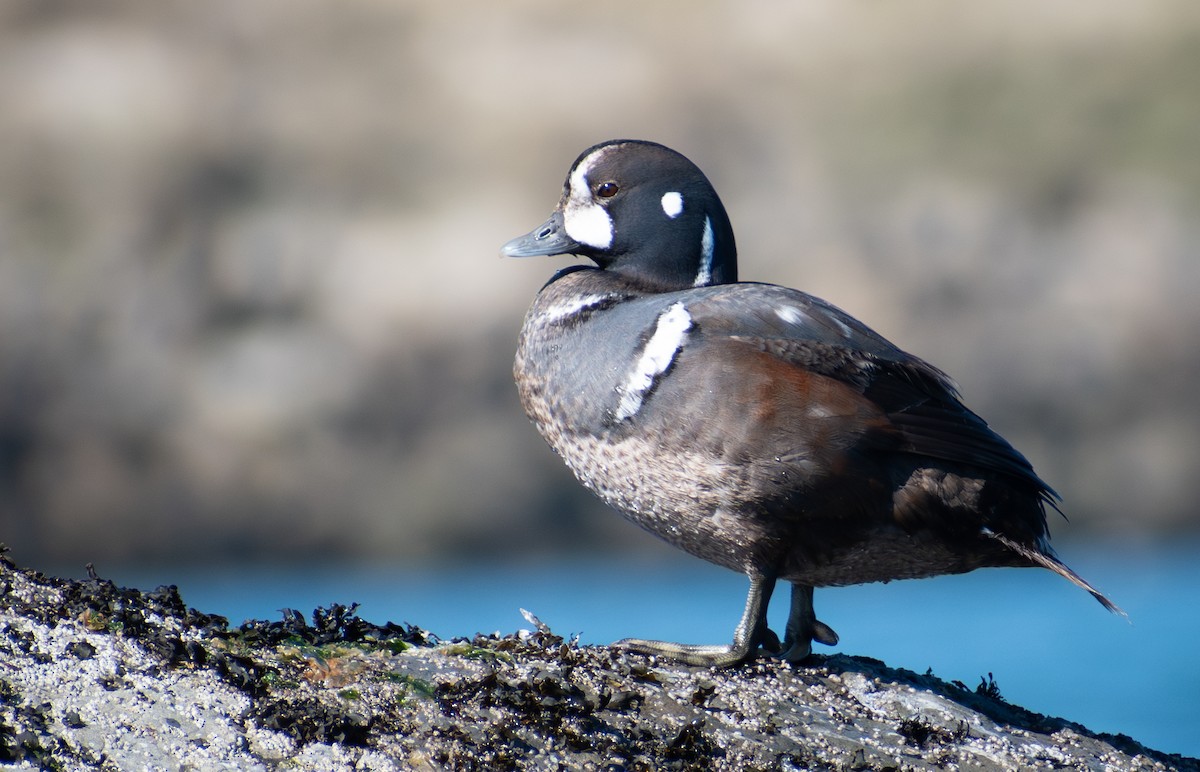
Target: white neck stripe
704	275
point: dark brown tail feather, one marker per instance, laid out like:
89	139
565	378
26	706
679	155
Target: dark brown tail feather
1058	567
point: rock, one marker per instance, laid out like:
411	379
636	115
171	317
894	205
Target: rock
93	675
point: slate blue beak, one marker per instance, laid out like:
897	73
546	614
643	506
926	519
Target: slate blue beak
549	238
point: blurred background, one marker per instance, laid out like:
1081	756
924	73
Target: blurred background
252	312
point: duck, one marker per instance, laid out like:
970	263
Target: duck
749	424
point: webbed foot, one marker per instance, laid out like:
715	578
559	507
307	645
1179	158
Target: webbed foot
803	627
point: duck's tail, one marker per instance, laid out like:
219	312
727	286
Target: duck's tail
1046	558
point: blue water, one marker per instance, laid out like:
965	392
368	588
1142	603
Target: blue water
1050	647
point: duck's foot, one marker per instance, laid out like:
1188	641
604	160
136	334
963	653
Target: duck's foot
751	633
803	627
687	653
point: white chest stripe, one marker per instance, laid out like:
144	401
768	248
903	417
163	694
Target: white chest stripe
704	275
670	333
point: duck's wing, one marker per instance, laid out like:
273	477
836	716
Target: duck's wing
921	403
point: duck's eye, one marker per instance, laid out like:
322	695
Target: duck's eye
607	189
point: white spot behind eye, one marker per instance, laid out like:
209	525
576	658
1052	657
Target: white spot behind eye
670	332
704	275
672	204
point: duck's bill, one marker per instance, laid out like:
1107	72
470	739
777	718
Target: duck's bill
549	238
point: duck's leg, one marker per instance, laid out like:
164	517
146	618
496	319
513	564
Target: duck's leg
803	627
749	635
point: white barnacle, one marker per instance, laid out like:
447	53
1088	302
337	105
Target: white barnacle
670	333
672	204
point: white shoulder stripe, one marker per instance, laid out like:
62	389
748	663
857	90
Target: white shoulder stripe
670	333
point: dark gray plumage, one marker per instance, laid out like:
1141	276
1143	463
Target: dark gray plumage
752	425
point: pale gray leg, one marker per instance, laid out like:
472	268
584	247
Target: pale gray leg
803	627
748	636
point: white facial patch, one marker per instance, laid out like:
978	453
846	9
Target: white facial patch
583	218
704	275
672	204
670	333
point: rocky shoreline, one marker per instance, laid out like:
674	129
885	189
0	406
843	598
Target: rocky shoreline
96	676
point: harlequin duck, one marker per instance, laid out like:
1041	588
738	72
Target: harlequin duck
752	425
